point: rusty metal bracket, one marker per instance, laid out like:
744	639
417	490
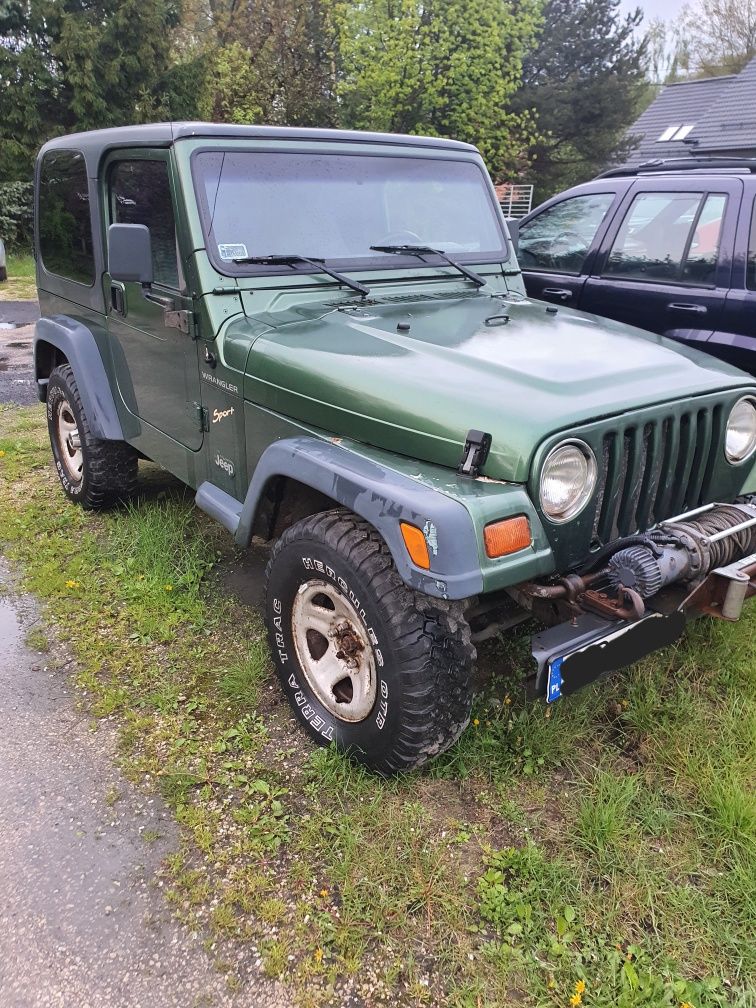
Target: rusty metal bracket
723	592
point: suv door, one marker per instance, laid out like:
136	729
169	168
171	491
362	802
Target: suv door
556	245
735	339
666	262
155	362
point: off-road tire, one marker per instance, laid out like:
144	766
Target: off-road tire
109	468
3	274
421	646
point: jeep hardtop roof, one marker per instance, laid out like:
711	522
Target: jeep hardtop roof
165	134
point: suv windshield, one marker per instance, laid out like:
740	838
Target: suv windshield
335	206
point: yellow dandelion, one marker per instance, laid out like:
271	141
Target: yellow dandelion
576	1000
2	454
476	722
72	583
168	587
580	987
324	894
686	1004
318	955
507	700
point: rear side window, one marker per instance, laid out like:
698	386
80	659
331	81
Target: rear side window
559	238
751	263
140	193
669	236
65	226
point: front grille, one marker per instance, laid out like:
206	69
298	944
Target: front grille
652	470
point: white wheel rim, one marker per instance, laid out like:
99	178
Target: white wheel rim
69	442
334	651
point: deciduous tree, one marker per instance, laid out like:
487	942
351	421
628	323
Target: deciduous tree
441	67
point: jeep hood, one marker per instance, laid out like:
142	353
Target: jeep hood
520	371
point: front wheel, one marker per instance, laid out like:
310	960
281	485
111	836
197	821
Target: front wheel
366	663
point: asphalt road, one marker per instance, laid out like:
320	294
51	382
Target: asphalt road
18	313
16	374
83	922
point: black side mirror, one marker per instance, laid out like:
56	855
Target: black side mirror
513	228
130	253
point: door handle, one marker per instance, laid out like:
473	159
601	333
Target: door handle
560	293
696	309
118	298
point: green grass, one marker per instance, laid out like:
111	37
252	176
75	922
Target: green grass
21	284
606	842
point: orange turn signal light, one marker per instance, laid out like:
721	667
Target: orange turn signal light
508	536
416	545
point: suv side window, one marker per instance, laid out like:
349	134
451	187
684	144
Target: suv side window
672	236
558	239
140	193
65	225
751	261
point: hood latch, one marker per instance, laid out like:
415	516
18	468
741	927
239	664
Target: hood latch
477	447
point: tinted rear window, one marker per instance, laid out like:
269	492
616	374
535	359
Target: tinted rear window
65	226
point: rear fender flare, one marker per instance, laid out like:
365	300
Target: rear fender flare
77	343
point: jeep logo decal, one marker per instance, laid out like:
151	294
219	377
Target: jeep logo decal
225	464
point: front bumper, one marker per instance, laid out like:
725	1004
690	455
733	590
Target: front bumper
605	635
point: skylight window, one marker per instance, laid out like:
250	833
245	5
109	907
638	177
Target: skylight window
675	132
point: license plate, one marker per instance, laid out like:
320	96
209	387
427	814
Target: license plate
613	651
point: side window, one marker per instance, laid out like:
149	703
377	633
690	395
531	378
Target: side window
751	262
670	237
65	226
703	254
140	194
559	238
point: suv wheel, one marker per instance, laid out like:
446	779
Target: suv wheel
92	472
366	663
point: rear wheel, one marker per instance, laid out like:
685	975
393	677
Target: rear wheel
92	472
366	663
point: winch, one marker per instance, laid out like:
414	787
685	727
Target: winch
685	548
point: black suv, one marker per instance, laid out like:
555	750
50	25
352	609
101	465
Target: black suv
669	246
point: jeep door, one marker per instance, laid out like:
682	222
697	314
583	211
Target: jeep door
666	262
557	245
154	353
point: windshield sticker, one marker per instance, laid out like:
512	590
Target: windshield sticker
229	252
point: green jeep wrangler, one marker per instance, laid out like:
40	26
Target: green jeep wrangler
326	335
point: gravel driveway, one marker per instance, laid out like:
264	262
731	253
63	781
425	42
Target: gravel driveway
83	923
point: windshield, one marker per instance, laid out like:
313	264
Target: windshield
335	206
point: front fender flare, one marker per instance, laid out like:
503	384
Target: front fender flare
382	497
79	346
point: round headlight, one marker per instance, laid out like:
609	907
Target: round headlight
568	479
740	441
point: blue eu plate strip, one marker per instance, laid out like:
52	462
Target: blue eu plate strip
554	682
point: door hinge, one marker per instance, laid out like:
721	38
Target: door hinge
203	417
185	321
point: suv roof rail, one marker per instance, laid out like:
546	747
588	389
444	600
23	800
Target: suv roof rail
684	164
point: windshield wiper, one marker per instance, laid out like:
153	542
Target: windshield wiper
423	250
292	260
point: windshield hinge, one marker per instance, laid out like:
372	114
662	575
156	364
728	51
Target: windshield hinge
477	447
184	321
203	417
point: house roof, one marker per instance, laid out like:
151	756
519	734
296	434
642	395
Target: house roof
731	124
716	114
685	104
